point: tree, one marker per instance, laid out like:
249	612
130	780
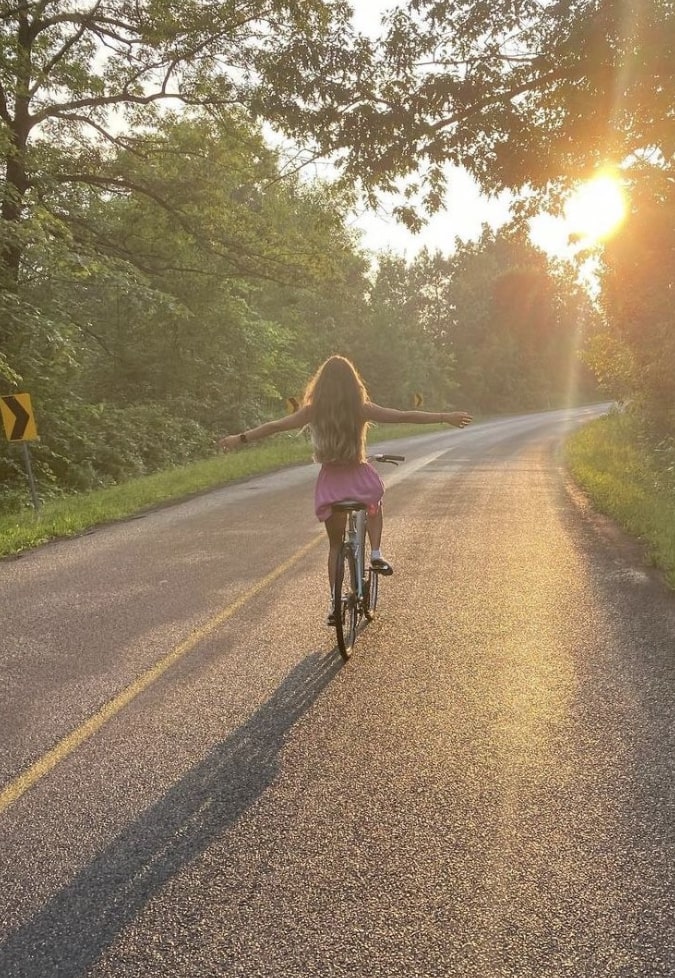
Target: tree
86	92
635	353
150	325
522	94
514	324
77	77
396	351
169	298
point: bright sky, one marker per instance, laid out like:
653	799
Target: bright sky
466	210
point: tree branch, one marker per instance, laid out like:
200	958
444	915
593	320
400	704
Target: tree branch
121	142
61	53
235	248
125	98
499	97
132	258
84	17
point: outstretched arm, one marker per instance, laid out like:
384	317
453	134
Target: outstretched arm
384	415
292	421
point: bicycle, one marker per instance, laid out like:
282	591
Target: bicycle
356	590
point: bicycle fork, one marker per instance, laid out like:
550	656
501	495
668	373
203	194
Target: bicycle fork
357	539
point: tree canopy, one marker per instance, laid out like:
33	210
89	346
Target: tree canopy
521	93
633	353
76	78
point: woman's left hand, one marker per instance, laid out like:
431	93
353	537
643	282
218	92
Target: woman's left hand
459	419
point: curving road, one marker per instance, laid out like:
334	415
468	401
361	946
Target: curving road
195	785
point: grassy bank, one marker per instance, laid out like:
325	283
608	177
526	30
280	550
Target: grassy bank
628	482
71	515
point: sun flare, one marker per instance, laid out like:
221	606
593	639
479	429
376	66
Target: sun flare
596	209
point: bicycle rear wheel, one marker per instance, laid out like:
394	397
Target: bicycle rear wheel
346	602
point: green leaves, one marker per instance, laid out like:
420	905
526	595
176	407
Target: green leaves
521	93
636	351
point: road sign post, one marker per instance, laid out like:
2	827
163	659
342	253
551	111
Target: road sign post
31	478
19	423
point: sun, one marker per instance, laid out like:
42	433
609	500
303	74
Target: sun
596	209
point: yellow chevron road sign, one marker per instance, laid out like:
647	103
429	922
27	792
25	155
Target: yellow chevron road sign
18	418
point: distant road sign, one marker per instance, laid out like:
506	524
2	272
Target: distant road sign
17	417
418	400
293	404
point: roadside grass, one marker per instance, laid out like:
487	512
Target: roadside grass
69	515
625	481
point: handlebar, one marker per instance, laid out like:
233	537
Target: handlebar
393	459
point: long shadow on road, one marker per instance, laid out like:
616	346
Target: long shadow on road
70	932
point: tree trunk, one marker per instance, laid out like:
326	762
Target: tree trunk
16	183
16	177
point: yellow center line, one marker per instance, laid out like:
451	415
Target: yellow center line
65	747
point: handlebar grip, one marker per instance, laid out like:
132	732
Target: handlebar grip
387	458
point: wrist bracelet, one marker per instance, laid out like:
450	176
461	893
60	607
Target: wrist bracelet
242	438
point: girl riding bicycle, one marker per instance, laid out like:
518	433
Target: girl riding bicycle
337	410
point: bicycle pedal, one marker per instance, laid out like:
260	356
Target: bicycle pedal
381	567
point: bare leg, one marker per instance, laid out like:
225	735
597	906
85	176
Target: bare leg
335	528
374	526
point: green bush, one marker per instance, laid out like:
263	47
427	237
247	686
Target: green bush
631	478
84	447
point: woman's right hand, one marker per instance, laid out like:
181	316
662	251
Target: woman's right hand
228	442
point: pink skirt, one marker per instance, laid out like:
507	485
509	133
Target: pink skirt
357	481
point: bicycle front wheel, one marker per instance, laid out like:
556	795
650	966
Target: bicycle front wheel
372	590
346	602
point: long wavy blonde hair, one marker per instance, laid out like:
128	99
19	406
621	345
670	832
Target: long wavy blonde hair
336	394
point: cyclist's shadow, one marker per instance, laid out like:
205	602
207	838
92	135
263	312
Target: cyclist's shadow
83	918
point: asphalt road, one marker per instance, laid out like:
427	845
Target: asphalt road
196	785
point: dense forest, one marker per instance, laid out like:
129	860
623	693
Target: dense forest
167	275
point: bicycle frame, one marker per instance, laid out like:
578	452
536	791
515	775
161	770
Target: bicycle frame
360	598
355	537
